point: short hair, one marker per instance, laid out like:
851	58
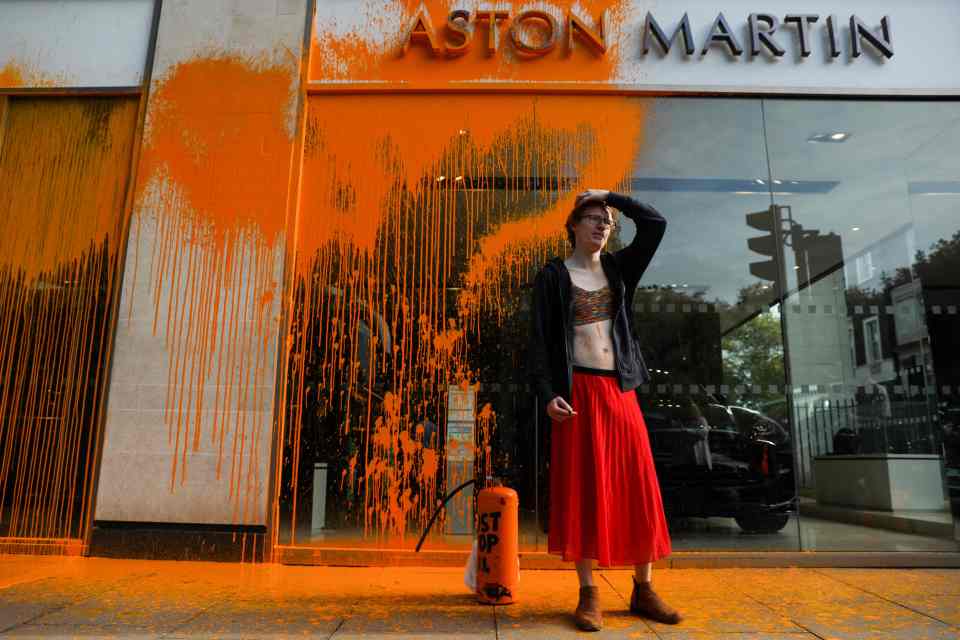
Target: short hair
578	211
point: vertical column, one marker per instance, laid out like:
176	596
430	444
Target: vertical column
191	401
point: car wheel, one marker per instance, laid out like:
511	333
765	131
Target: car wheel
763	522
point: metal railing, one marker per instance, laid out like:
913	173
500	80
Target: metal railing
852	427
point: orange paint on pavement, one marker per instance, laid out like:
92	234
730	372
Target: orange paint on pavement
204	599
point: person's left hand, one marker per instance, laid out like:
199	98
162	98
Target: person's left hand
592	195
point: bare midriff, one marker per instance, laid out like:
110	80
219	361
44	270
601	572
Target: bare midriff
592	317
593	345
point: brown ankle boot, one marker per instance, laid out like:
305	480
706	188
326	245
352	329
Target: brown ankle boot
645	602
588	617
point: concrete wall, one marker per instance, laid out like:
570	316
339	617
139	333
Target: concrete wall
190	414
73	43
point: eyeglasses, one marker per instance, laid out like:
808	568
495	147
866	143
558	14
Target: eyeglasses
600	221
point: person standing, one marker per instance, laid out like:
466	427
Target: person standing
605	502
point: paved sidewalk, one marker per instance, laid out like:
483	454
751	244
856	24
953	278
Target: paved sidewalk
46	597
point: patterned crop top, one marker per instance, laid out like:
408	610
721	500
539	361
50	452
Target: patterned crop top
592	306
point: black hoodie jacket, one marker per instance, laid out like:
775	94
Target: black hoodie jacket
551	349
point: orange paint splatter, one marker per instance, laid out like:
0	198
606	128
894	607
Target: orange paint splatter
486	423
375	51
11	77
214	177
63	170
410	234
15	74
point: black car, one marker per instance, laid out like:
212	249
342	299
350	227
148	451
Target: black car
715	460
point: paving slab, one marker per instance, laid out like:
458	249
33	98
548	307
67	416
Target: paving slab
709	601
14	614
20	569
851	619
35	599
895	584
728	615
793	585
286	623
943	608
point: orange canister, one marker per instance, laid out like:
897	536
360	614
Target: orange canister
498	546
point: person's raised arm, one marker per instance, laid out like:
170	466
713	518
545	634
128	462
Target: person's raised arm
634	259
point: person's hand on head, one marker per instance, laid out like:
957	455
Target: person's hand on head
592	195
559	410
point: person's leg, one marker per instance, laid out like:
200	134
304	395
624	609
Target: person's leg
588	616
643	572
645	602
585	572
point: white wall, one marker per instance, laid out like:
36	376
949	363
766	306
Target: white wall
923	33
75	43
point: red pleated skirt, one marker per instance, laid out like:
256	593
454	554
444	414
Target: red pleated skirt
605	501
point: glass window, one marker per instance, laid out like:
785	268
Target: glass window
868	428
929	313
798	320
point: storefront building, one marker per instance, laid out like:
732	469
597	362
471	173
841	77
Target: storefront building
265	281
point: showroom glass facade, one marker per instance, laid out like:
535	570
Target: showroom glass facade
800	317
273	278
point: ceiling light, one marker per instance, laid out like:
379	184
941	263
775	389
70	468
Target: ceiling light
855	229
441	178
833	136
778	182
758	181
463	132
459	178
